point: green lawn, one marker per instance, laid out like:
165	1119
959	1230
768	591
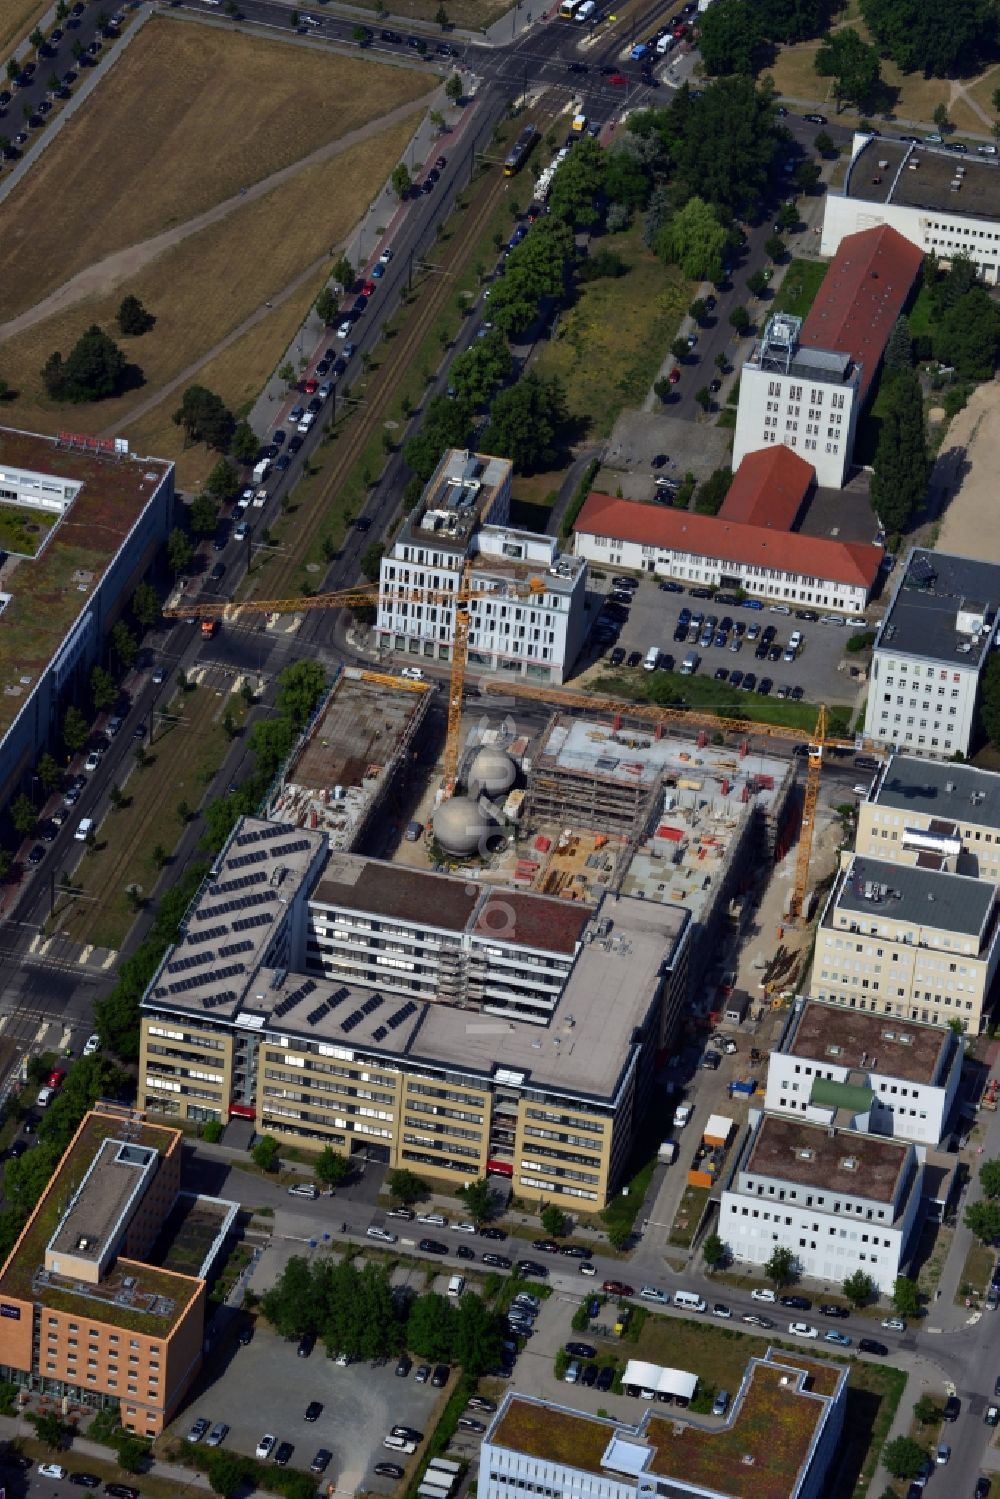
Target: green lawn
717	697
799	286
608	347
23	531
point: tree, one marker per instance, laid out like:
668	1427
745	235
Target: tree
343	272
48	772
179	550
133	319
780	1268
453	88
23	814
713	1251
37	39
74	731
901	466
103	689
576	184
679	348
793	20
265	1153
554	1221
293	1304
528	423
695	240
244	444
626	178
722	143
327	310
968	333
911	33
712	493
983	1219
927	1411
133	1453
903	1457
441	17
899	349
146	606
730	37
331	1168
806	175
757	283
905	1297
430	1327
300	689
859	1288
477	1336
940	117
124	644
94	370
989	1177
788	218
405	1186
704	397
477	1198
400	180
852	64
697	310
739	319
825	144
50	1429
205	418
371	561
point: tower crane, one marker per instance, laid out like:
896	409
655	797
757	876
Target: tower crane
819	741
349	598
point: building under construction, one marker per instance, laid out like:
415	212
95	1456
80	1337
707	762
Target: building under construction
357	750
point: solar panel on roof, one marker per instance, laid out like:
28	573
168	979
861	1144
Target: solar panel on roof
340	995
316	1015
403	1013
207	936
371	1005
922	569
379	1034
244	925
286	1004
232	948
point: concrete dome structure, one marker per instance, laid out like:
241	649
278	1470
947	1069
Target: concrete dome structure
493	772
460	826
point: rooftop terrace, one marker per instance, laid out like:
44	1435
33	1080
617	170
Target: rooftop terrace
103	498
135	1296
859	1039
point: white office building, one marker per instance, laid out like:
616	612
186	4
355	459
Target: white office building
458	535
929	654
944	203
860	1071
918	811
840	1200
779	1437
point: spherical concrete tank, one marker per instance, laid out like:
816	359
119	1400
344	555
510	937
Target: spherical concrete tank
460	826
492	772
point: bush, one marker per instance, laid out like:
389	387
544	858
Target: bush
212	1133
863	641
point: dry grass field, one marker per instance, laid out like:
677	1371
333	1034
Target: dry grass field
207	288
188	116
18	19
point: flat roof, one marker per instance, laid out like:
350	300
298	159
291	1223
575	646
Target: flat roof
761	1451
946	791
356	883
234	917
98	1207
927	186
47	593
932	588
845	1162
873	1043
351	751
536	921
924	897
457	498
133	1295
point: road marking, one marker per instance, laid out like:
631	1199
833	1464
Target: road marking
85	953
66	1037
33	944
42	1031
112	955
3	1021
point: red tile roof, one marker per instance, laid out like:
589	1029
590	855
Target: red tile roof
768	489
853	563
862	295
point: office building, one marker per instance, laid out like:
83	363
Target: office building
749	545
413	1018
779	1438
929	654
909	942
530	620
86	519
931	813
91	1313
806	383
945	204
860	1071
840	1200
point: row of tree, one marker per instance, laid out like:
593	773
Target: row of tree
782	1270
357	1311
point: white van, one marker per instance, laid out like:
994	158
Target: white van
664	45
652	660
261	470
84	829
456	1285
45	1096
412	674
572	1372
691	1301
690	664
763	1295
399	1444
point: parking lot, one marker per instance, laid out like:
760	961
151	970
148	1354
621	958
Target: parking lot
653	616
266	1388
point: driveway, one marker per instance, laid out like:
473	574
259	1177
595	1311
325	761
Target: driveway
266	1387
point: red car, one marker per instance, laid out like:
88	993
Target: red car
368	288
618	80
311	386
617	1288
57	1077
674	375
